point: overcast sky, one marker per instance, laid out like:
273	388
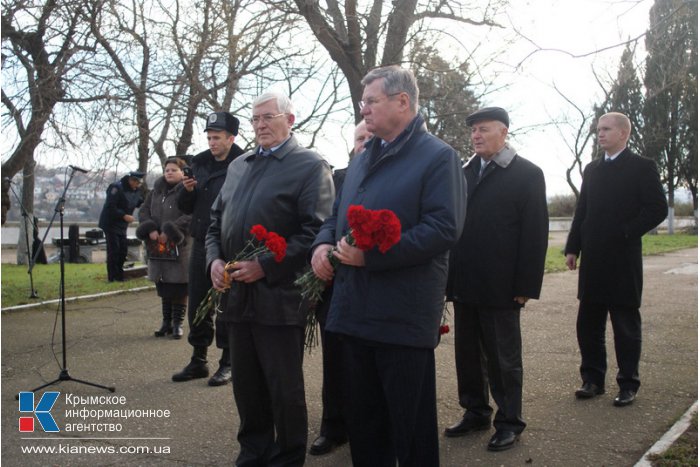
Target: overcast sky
581	37
574	31
522	79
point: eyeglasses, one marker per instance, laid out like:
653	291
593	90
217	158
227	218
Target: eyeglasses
373	101
266	119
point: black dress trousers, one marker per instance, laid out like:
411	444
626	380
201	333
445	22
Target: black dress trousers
488	355
199	284
627	330
268	387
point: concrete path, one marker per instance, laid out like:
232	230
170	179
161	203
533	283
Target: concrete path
110	341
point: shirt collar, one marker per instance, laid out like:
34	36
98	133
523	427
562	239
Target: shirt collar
274	148
612	157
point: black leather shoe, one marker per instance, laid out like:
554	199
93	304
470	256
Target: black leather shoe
221	377
624	397
503	440
589	390
466	425
324	445
197	368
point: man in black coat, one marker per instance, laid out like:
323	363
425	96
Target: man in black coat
201	188
497	266
123	197
621	199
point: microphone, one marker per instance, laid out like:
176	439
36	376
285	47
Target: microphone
78	169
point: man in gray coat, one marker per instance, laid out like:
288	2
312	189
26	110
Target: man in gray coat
621	199
287	189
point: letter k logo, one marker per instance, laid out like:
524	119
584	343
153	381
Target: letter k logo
42	411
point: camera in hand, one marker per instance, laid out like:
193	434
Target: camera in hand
188	171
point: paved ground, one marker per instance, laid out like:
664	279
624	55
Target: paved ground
110	342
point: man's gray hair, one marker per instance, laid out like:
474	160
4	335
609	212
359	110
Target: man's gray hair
284	103
396	80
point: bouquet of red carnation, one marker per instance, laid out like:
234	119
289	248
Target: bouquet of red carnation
263	241
368	228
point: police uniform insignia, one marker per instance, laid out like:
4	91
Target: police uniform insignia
114	190
212	118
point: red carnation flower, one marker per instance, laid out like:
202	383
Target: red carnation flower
388	232
277	245
259	232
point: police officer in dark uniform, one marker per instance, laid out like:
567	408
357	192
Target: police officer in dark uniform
208	174
123	197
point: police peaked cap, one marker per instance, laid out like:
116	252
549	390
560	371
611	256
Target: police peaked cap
489	113
222	121
136	174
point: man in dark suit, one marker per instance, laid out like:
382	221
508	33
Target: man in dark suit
497	266
621	199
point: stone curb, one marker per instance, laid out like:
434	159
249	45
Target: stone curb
669	437
72	299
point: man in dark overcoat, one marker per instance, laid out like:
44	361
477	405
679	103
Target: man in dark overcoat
201	188
497	266
621	199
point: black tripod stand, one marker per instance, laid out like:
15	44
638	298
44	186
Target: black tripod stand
64	375
30	257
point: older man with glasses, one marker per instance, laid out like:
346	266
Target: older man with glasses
287	189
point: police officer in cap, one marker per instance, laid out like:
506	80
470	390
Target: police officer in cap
201	188
123	197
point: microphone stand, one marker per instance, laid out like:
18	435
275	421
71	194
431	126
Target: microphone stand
30	257
64	375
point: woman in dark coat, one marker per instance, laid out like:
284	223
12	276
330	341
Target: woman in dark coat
163	226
